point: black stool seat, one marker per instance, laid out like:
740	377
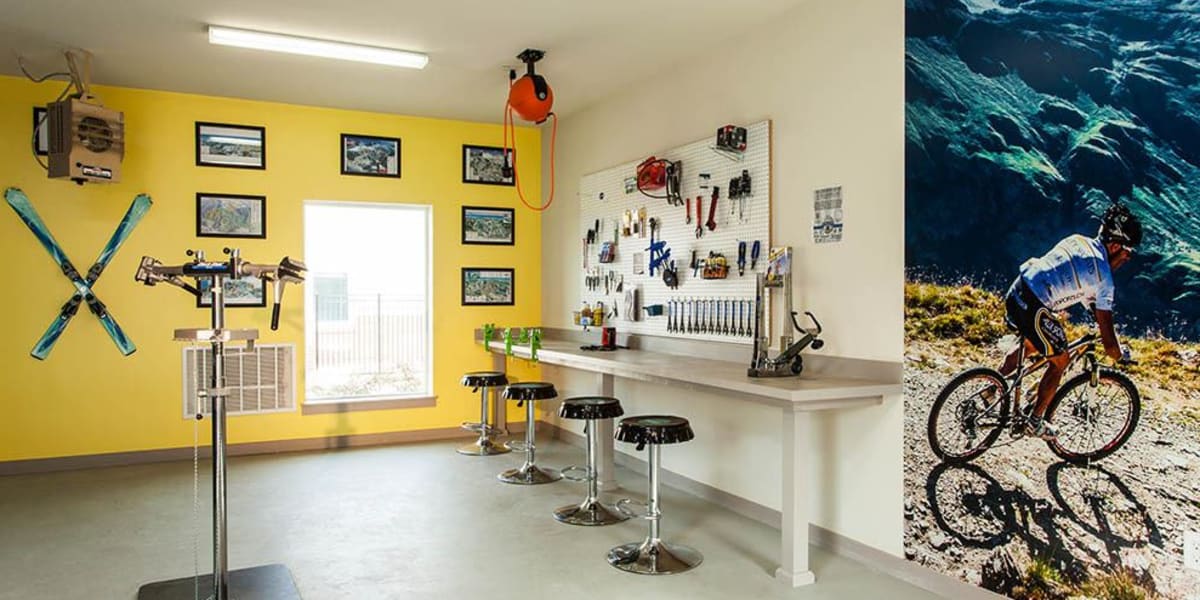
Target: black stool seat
654	429
590	407
478	379
530	390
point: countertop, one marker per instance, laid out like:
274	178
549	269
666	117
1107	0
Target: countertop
809	391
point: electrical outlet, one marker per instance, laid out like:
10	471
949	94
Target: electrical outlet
1191	550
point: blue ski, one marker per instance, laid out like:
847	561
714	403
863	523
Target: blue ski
137	209
83	287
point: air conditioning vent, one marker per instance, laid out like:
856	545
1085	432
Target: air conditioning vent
261	380
87	141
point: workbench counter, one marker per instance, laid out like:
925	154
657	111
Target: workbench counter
826	384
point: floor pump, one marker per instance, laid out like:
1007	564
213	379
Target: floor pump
270	582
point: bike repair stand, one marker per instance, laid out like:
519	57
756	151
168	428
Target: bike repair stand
269	582
789	362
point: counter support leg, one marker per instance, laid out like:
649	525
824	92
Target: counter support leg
606	478
797	430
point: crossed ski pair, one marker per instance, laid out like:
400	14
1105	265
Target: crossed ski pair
83	284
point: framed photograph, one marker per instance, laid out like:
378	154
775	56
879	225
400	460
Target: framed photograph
370	155
246	291
41	126
488	226
487	287
235	146
484	164
231	216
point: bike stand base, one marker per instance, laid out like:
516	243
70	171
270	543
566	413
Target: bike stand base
269	582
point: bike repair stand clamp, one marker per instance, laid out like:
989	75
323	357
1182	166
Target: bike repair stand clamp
789	362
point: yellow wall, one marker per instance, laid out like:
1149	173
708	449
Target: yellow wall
87	398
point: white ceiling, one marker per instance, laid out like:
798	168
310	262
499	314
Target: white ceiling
593	47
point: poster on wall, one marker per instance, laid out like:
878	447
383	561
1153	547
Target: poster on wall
1053	194
827	215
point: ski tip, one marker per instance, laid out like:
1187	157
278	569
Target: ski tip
39	355
13	194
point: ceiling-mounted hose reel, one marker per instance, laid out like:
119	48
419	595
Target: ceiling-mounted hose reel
532	99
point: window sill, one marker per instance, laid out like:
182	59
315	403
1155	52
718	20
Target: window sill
322	407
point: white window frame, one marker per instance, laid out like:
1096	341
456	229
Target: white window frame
396	400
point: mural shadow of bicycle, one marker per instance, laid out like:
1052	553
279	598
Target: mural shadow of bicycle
971	506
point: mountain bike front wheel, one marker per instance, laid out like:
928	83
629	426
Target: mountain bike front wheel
1093	421
968	415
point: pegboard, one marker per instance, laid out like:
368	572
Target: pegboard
606	195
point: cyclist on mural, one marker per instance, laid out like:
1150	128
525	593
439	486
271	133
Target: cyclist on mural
1076	271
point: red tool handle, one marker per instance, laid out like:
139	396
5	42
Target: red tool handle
712	210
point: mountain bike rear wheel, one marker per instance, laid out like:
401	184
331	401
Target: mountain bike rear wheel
1093	421
968	415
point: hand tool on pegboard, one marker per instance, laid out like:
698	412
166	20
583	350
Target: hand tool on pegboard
711	224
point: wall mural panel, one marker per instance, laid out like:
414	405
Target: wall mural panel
1028	121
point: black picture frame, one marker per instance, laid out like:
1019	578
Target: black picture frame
512	225
251	130
232	301
511	298
374	138
209	231
468	174
43	136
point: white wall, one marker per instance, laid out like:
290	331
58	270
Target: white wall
830	75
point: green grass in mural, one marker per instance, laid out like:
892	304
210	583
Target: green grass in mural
1043	581
1114	586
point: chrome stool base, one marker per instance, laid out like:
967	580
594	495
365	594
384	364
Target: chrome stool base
654	557
482	447
529	475
590	512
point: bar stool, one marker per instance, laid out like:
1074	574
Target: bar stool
527	393
591	511
653	556
483	381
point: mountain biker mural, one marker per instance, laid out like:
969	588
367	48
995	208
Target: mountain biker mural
1052	295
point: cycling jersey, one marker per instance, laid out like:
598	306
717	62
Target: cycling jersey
1075	271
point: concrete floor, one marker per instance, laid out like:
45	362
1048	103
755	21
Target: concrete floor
413	521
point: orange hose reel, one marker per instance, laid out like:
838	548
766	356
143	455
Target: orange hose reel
532	99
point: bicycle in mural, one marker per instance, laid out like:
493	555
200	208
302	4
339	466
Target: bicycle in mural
1096	411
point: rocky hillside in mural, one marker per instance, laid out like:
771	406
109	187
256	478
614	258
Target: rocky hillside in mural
1027	118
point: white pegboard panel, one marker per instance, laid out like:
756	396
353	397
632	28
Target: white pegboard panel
603	197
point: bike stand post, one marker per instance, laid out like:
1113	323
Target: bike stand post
269	582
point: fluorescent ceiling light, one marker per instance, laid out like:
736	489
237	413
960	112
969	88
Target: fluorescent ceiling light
244	38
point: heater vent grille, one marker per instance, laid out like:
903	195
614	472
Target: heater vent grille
261	380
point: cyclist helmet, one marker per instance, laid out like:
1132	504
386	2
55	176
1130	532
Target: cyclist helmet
1119	226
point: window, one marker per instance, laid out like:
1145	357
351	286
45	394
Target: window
367	312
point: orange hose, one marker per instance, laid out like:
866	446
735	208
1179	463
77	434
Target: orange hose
510	124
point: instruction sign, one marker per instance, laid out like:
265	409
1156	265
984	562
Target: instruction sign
827	215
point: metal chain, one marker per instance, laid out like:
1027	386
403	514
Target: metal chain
196	501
